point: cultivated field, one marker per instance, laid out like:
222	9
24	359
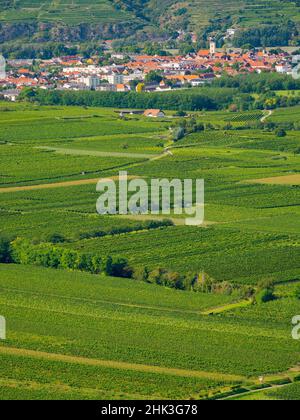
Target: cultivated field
93	336
96	337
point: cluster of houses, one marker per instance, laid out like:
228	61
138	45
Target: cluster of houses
176	72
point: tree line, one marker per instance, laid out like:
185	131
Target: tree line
189	99
49	255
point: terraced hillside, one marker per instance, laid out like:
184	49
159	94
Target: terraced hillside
102	19
244	13
67	11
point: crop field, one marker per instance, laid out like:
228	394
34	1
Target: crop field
99	337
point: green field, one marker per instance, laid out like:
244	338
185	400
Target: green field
98	337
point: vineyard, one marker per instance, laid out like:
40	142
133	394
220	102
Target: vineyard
81	315
94	336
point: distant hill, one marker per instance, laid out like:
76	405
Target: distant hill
81	20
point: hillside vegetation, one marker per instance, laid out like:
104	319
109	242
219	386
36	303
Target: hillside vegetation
80	20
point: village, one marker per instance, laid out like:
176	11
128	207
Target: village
140	73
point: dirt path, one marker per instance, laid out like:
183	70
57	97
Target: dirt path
82	152
277	180
119	365
58	184
227	308
266	116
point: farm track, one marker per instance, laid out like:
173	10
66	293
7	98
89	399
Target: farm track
227	308
57	184
277	180
95	153
119	365
266	116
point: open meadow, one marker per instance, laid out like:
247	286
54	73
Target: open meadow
93	336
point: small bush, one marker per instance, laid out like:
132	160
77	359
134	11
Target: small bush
5	250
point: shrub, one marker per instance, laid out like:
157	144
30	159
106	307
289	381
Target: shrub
178	133
55	238
118	267
141	274
265	295
5	250
280	132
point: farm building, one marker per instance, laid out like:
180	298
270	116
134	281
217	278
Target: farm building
154	113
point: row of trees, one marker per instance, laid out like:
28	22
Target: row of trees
193	100
225	93
258	83
23	251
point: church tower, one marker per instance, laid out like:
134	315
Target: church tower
212	47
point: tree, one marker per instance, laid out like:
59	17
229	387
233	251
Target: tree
280	132
118	267
153	77
141	274
265	292
156	276
178	133
140	87
5	250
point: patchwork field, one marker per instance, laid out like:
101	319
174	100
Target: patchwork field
94	336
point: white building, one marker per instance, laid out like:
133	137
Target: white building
283	68
11	95
115	78
92	82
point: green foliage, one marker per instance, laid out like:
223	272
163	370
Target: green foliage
178	133
48	255
191	99
297	292
280	133
153	76
266	35
5	250
288	393
265	292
